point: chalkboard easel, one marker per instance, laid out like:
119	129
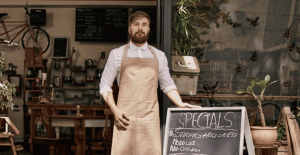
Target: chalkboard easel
207	131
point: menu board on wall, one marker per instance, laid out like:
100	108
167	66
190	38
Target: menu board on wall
151	11
101	25
60	47
209	131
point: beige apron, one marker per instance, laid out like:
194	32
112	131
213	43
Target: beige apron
138	99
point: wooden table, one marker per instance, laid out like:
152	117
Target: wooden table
79	123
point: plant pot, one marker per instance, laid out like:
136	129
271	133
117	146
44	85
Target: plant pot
263	135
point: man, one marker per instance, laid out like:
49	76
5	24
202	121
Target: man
138	68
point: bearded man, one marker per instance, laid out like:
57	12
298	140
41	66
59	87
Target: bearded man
138	68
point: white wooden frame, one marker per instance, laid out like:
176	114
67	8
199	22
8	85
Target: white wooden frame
244	129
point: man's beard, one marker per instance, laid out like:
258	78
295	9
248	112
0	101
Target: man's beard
138	38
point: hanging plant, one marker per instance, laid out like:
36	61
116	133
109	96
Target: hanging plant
254	56
238	68
7	90
287	33
253	22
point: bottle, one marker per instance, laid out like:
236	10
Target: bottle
68	61
56	64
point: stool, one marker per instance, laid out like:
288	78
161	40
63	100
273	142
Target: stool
268	149
10	136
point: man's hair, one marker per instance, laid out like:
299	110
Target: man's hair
137	15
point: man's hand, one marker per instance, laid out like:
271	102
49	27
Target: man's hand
186	105
121	119
176	99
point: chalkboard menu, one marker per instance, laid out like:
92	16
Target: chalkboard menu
209	131
101	25
60	47
151	11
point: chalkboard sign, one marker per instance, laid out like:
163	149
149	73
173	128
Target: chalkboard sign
151	11
60	47
205	131
101	25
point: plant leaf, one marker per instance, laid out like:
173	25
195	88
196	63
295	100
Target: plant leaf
267	78
255	78
241	91
253	82
249	90
271	83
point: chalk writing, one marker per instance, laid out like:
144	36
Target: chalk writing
182	142
205	120
183	134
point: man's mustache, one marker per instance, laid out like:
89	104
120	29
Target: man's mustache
140	32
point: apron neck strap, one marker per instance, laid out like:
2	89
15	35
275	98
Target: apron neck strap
127	47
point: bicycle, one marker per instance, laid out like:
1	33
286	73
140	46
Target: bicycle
34	36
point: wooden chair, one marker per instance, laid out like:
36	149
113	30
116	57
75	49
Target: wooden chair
10	135
56	145
103	143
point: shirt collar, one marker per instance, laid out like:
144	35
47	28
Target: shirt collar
134	47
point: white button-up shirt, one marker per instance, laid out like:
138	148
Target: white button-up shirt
113	66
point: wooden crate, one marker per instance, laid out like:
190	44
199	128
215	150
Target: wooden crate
33	57
266	149
283	148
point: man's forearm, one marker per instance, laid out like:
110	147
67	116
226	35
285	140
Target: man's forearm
109	100
175	97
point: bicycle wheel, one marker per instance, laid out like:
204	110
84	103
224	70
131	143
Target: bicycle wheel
41	36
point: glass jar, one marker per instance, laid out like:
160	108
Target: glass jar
56	64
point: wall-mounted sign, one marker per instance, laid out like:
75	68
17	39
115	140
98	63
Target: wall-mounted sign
60	47
101	25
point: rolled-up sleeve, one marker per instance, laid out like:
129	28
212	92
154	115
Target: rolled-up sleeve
109	74
165	80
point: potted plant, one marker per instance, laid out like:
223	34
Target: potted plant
191	19
260	134
7	89
185	32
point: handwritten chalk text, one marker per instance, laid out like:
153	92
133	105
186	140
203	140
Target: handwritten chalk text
205	120
182	134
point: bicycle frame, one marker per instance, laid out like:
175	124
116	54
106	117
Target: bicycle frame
24	25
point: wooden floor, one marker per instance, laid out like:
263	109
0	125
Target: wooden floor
8	152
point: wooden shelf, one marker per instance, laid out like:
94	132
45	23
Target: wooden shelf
73	97
74	4
239	97
33	78
91	66
68	106
32	103
73	70
83	88
32	90
10	71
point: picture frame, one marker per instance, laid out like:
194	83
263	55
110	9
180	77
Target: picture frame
17	80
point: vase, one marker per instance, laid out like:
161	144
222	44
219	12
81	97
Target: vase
263	135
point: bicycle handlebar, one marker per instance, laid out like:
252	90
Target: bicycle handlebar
26	10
